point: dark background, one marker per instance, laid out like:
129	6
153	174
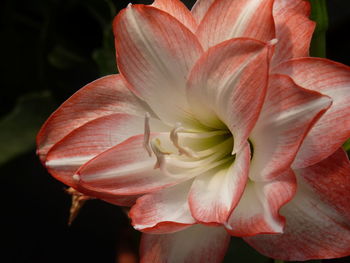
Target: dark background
49	49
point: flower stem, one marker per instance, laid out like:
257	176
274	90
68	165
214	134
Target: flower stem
278	261
320	16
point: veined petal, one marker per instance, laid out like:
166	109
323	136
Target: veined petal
125	169
165	211
294	29
155	53
178	10
228	19
318	218
333	128
196	244
214	194
102	97
227	86
258	210
287	115
91	139
200	8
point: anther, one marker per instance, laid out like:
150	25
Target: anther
147	134
174	137
155	144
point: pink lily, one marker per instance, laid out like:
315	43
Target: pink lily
218	123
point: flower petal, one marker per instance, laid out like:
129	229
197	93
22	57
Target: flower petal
196	244
333	128
200	9
165	211
178	10
294	29
155	53
228	85
102	97
287	115
91	139
258	210
318	218
125	169
228	19
213	195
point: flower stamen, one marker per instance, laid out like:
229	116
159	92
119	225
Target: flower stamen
160	155
147	134
174	137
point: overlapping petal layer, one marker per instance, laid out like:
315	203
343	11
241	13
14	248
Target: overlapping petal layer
215	193
294	29
227	86
165	211
89	140
287	115
196	244
258	209
200	8
178	10
107	95
155	53
227	19
126	169
317	219
333	128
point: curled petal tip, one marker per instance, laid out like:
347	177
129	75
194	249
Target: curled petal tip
76	177
272	42
227	226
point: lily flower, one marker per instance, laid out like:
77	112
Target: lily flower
218	124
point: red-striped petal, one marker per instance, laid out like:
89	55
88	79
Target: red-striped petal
333	128
102	97
228	19
178	10
227	86
214	194
294	29
318	218
288	114
258	209
196	244
165	211
155	53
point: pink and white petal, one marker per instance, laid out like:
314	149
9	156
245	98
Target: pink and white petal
165	211
91	139
258	210
101	97
125	169
155	53
228	19
227	86
288	114
317	219
178	10
294	29
214	194
196	244
200	9
333	128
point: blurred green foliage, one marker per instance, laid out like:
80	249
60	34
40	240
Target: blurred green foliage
18	129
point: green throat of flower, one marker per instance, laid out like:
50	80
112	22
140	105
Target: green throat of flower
192	152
